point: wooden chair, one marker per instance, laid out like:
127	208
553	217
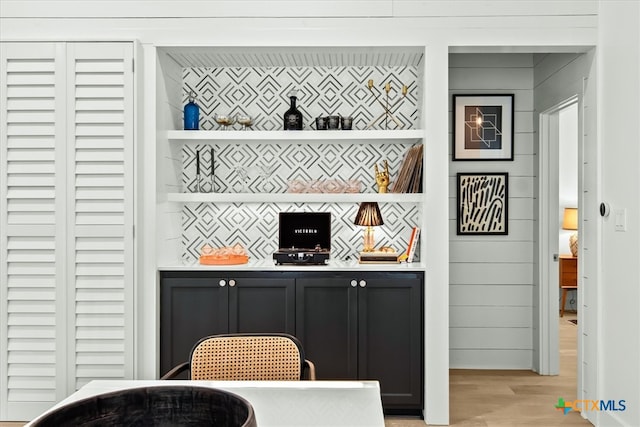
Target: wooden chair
247	357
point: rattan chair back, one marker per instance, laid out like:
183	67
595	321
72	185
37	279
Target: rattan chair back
247	357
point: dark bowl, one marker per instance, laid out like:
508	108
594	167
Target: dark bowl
154	406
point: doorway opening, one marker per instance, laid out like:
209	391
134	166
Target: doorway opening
560	143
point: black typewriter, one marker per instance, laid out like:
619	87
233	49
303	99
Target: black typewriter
304	238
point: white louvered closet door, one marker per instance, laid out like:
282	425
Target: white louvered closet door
66	260
32	228
100	206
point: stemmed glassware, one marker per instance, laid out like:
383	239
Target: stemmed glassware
245	121
243	174
266	170
224	121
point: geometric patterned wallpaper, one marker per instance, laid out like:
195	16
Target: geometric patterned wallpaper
262	94
268	167
255	226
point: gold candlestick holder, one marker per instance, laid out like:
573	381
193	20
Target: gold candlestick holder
387	114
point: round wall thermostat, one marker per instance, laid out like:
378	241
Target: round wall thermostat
604	209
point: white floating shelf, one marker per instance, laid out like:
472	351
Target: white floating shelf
409	136
295	197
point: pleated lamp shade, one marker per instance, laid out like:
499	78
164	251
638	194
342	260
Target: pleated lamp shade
368	215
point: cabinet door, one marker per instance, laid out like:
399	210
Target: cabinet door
261	305
326	324
390	322
190	308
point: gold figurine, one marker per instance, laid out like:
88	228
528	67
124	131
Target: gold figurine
382	178
388	109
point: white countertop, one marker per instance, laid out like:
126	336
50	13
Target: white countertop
268	265
280	403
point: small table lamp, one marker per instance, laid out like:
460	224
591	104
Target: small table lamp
570	222
368	216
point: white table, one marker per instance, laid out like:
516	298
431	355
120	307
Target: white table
280	403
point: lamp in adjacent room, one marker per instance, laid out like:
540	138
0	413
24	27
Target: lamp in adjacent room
368	216
570	222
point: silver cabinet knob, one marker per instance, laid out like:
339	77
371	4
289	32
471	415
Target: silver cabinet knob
354	283
363	283
222	282
232	282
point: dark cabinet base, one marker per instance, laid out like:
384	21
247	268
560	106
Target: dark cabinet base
390	324
197	304
365	326
353	325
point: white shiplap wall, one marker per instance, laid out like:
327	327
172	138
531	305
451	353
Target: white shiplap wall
491	277
558	77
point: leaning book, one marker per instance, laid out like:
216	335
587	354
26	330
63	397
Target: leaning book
413	244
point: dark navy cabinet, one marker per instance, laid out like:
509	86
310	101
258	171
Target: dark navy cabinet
390	338
366	326
196	304
353	325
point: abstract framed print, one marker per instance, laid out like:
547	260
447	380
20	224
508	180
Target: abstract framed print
483	127
482	203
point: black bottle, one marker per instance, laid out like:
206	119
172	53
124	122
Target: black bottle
293	117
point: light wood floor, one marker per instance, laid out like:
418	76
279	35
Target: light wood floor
506	398
513	398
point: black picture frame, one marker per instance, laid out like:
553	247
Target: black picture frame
482	203
483	127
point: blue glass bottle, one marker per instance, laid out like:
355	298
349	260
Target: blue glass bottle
191	114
